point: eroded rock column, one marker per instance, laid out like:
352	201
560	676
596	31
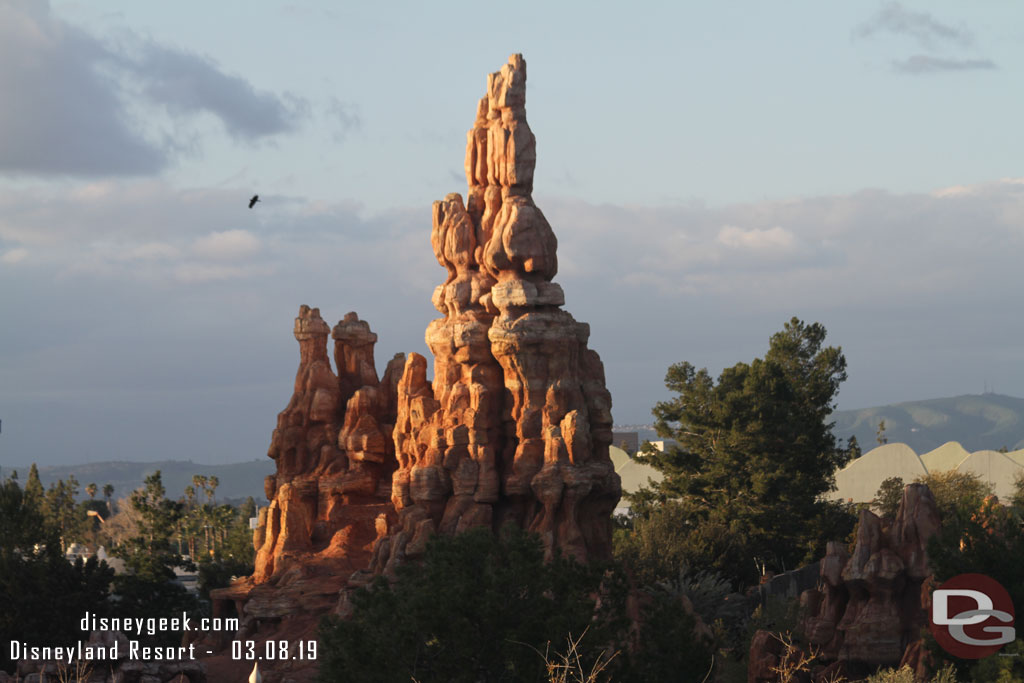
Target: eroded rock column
517	422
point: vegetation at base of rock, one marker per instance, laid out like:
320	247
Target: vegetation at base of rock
887	500
485	607
1017	499
987	538
957	494
905	675
755	454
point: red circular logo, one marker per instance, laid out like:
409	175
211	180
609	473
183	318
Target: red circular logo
972	616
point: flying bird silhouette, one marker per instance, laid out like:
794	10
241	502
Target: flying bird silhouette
252	202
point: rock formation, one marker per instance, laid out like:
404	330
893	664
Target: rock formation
333	449
515	426
330	495
871	605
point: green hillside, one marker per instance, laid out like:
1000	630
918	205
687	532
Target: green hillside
238	481
985	422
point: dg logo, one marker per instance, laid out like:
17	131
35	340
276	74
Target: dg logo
972	616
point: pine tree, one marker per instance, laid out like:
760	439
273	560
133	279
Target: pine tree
755	454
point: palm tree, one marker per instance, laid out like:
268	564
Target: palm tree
90	490
108	492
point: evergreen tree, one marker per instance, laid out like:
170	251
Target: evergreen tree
888	498
755	454
853	448
42	595
34	491
62	513
148	588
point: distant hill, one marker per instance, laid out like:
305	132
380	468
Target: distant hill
985	422
238	481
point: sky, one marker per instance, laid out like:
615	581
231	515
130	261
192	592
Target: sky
710	170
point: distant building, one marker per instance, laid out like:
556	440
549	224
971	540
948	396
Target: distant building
627	441
634	475
858	482
75	552
664	444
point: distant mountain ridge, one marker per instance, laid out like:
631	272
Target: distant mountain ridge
238	481
978	422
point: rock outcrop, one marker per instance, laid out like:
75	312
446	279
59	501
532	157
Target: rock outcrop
869	607
516	425
330	497
333	449
871	604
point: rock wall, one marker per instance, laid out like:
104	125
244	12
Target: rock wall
515	426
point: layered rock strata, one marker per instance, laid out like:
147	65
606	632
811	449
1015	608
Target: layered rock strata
516	425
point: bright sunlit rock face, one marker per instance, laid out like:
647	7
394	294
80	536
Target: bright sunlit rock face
517	422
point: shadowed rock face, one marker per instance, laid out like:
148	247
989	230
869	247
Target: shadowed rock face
871	605
517	422
869	608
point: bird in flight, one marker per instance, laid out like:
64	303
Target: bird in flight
252	202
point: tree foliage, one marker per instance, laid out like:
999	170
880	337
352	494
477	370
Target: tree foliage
958	495
888	498
978	535
483	608
43	595
755	454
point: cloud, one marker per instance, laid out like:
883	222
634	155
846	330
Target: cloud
927	31
12	256
855	248
228	245
772	239
913	286
930	34
145	231
205	272
82	105
152	251
186	83
923	64
344	117
61	116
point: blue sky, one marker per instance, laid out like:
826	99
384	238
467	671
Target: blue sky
710	170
